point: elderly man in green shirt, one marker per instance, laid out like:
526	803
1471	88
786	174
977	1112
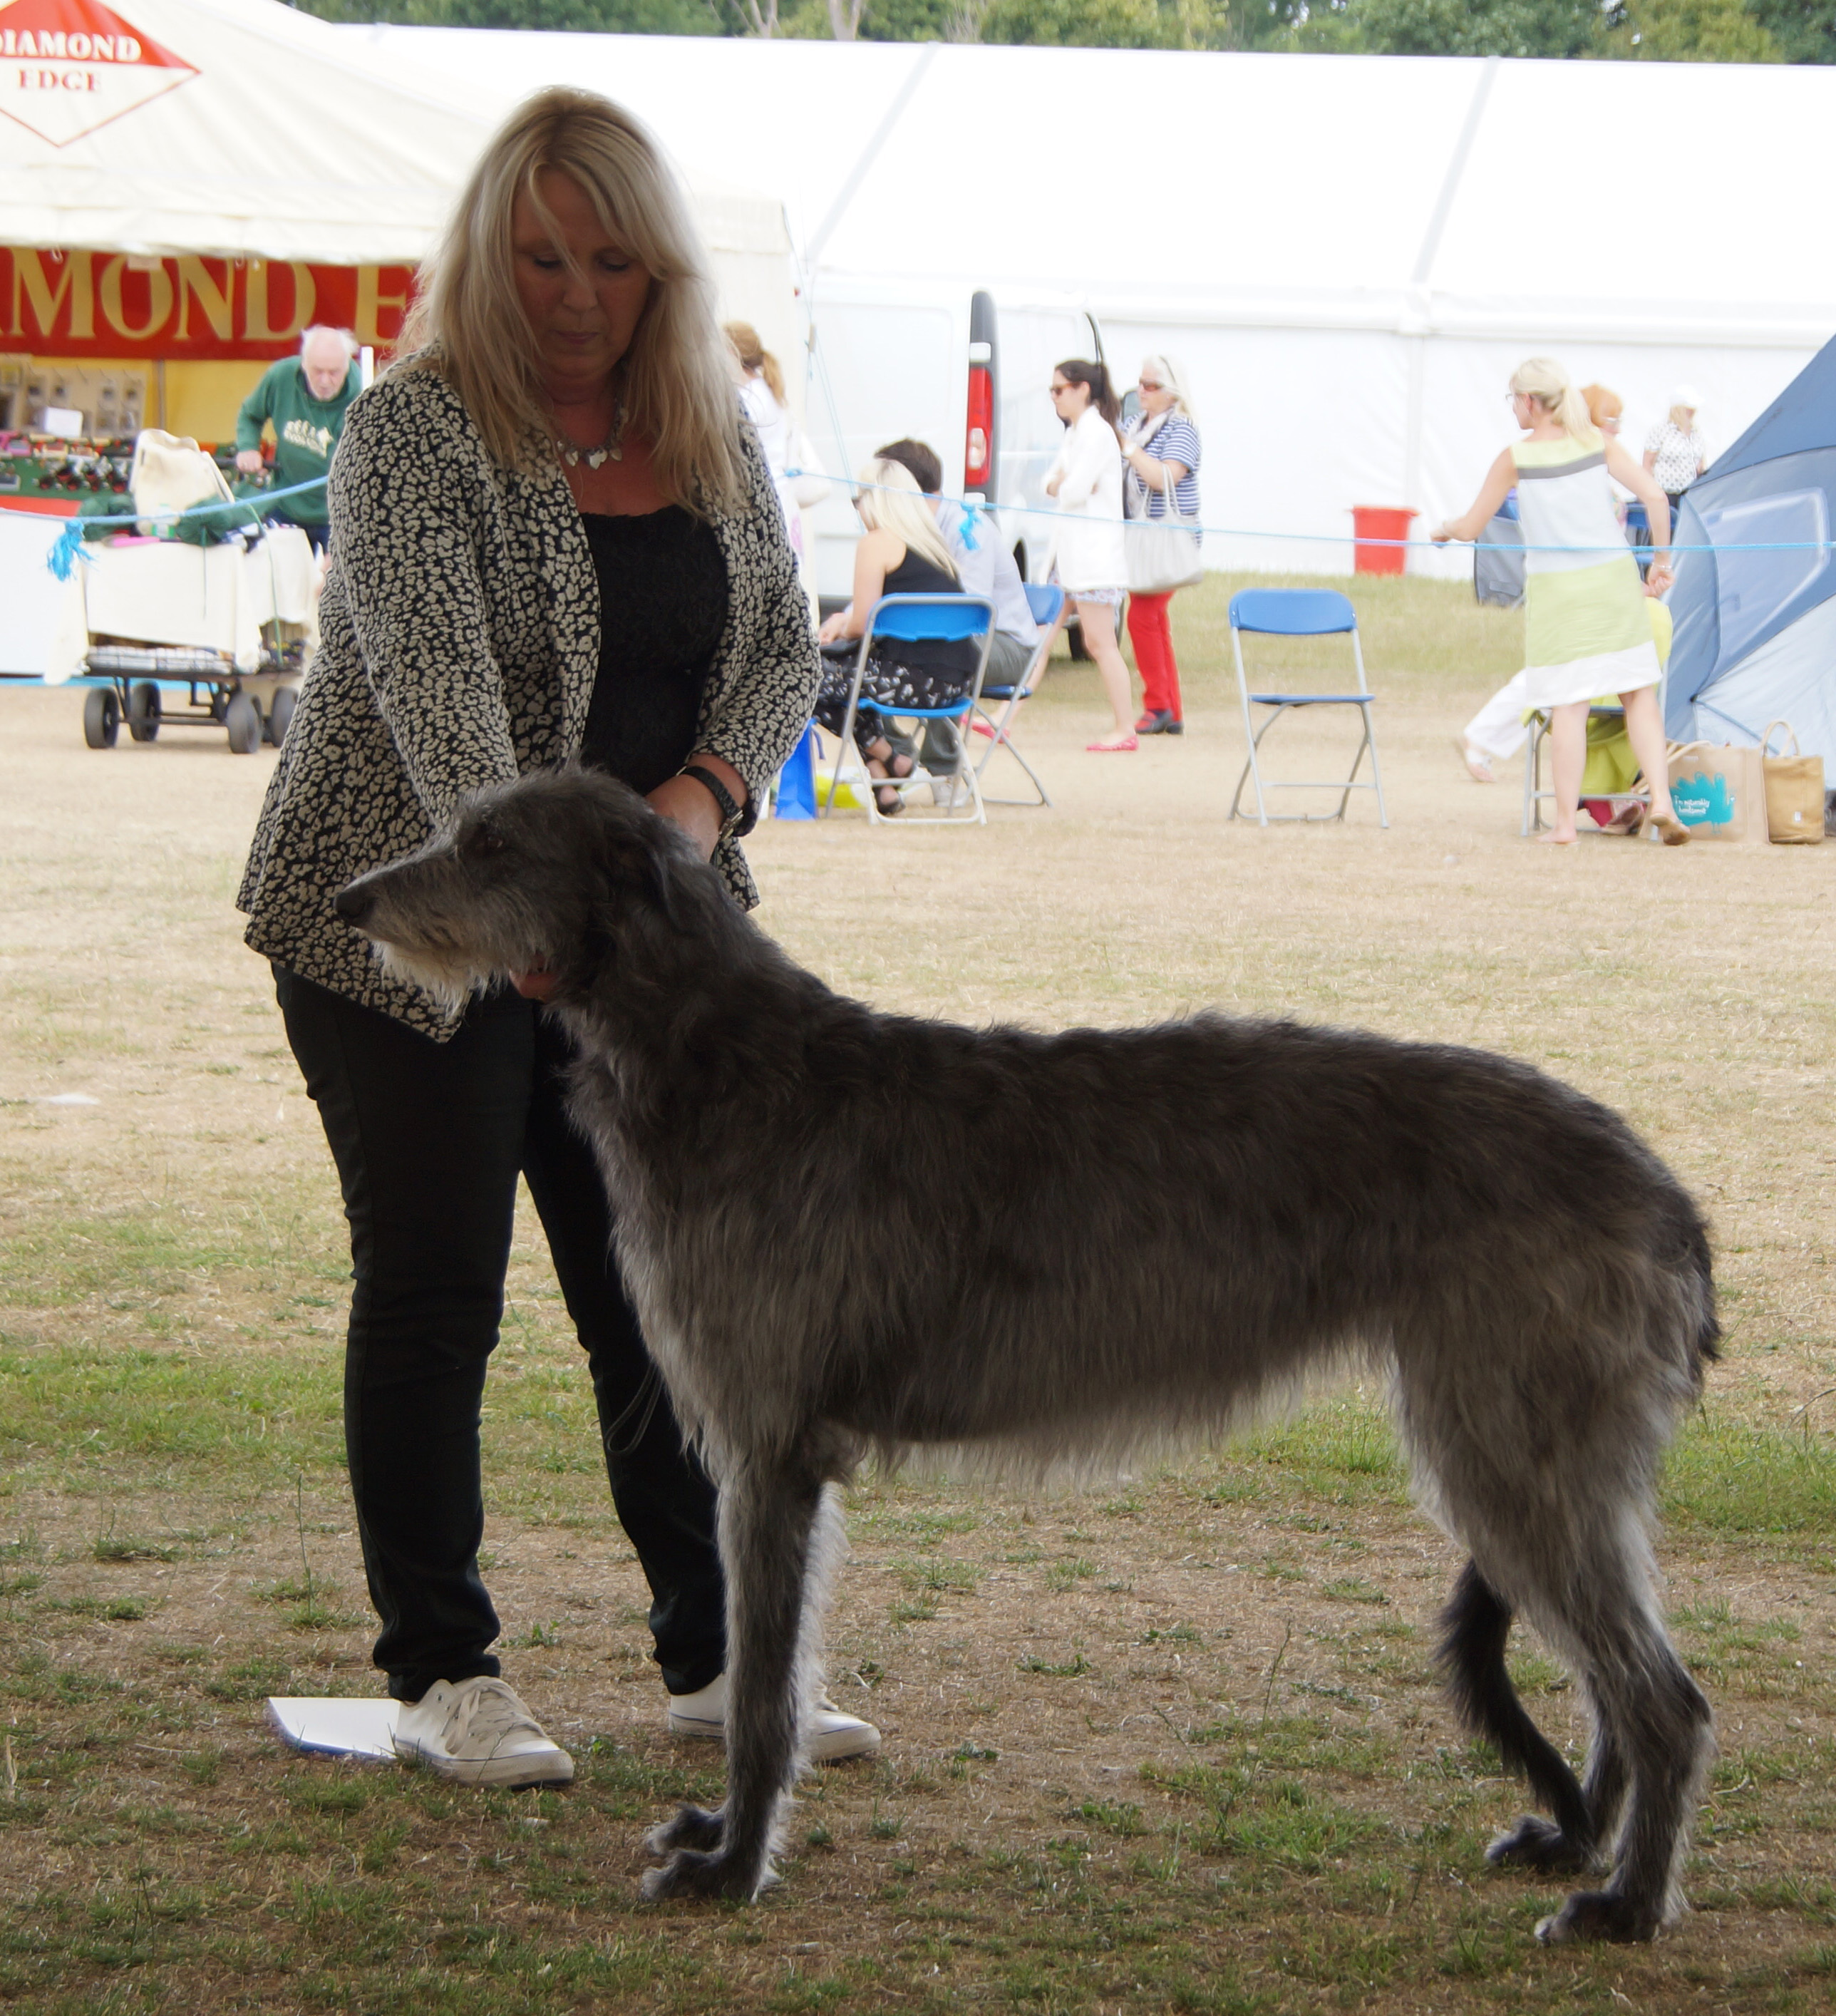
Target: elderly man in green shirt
304	400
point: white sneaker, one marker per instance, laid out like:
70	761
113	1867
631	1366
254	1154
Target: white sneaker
478	1732
829	1733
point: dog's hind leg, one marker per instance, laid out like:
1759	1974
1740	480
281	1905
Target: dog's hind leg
1657	1729
774	1543
1475	1626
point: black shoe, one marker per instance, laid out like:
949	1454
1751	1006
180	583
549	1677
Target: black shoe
1174	728
1156	721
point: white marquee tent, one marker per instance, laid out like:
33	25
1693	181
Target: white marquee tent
1349	253
238	129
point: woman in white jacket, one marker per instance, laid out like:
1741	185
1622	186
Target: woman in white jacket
1087	560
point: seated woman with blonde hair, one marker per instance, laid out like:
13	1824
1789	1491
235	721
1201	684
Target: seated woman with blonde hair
902	553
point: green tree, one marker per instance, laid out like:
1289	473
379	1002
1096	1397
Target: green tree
1691	32
1109	24
622	17
1458	28
1804	31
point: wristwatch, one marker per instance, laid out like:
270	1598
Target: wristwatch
731	810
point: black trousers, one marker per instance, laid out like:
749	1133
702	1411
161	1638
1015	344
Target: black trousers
429	1139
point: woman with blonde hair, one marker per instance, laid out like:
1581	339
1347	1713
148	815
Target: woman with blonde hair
901	552
551	539
1160	454
1587	632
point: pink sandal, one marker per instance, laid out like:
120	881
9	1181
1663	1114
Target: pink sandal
1119	745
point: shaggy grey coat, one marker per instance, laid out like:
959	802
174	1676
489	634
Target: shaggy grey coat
846	1230
460	642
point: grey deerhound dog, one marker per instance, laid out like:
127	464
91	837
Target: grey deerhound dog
849	1231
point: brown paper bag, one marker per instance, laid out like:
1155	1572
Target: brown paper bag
1719	792
1794	793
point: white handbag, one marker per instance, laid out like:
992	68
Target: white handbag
1162	553
171	473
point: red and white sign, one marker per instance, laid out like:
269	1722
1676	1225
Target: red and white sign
77	303
67	67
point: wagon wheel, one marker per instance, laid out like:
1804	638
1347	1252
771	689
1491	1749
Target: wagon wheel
280	715
244	720
101	717
143	712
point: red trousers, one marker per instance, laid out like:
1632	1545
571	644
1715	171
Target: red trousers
1152	636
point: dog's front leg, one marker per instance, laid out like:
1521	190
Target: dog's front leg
768	1516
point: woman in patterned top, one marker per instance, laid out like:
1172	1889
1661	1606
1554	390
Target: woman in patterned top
1675	452
1160	449
552	538
1585	626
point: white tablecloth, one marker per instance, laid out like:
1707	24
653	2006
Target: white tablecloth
32	596
165	593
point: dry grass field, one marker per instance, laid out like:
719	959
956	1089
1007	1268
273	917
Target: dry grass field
1174	1744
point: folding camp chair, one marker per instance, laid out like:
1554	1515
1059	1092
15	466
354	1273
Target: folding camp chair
913	619
1300	612
1047	604
1536	792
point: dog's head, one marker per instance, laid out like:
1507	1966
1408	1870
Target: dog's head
564	869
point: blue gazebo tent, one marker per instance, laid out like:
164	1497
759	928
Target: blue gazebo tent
1756	628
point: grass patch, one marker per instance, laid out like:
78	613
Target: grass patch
1730	1477
1241	1792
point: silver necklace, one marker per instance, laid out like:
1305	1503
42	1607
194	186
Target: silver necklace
609	450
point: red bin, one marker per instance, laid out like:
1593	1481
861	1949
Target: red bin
1379	521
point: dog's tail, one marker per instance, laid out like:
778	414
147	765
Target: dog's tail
1474	1626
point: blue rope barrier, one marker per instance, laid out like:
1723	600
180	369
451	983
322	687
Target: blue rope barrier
973	510
64	554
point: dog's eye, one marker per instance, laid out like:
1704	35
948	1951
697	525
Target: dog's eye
483	840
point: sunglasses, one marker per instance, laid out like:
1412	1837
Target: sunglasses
1055	389
1150	385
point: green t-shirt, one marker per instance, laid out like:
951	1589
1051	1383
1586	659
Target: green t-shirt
306	431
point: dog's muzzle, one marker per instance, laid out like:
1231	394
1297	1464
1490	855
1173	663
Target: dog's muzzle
353	903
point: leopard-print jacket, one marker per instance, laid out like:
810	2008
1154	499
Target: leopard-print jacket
459	641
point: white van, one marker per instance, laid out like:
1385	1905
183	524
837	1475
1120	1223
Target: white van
967	375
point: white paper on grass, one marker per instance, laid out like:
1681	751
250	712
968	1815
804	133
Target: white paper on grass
328	1725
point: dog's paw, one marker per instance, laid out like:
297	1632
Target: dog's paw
1535	1843
694	1827
1597	1916
690	1873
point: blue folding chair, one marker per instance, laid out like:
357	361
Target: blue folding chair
913	619
1300	612
1047	603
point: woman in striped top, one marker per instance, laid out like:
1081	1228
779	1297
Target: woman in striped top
1587	632
1159	446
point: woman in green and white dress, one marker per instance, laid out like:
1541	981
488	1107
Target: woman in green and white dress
1588	633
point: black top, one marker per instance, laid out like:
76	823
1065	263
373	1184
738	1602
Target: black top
662	605
916	575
